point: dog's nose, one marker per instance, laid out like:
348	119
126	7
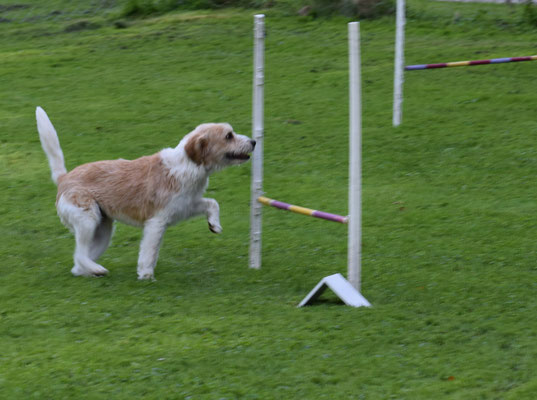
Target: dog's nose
253	143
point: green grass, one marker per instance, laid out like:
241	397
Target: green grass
449	212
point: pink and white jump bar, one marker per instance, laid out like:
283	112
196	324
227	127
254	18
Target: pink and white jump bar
303	210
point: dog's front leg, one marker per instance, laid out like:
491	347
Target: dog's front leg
210	208
149	248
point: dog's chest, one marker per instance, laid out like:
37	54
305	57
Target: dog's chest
184	204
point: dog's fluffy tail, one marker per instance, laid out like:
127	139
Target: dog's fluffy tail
51	144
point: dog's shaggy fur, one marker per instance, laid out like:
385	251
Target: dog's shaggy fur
152	192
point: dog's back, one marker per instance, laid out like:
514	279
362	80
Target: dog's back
130	191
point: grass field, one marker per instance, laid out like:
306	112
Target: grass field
449	227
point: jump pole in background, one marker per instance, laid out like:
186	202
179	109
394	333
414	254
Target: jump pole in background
399	63
398	78
258	133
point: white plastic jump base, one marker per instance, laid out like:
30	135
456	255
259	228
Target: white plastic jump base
341	287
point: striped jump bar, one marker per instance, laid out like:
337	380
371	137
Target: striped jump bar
468	63
302	210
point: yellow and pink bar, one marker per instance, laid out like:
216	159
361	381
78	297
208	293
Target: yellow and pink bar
469	63
302	210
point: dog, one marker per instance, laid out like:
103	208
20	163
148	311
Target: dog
152	192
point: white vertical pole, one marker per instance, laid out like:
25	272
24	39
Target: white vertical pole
257	127
398	78
355	150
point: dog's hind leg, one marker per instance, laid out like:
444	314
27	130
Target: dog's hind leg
83	218
84	265
101	237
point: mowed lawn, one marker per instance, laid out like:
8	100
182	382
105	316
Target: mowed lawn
449	217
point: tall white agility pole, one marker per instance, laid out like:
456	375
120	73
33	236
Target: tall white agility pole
258	128
355	156
349	290
398	78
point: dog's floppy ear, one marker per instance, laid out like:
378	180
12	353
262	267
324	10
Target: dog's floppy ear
196	148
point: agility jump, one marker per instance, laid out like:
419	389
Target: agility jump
399	67
347	290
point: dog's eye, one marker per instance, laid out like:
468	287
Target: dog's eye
229	136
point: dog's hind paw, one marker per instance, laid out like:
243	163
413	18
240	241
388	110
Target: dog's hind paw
100	272
146	276
96	272
215	228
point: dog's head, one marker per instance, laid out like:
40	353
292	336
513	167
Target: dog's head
217	146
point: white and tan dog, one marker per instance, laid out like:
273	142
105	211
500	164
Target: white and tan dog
152	192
